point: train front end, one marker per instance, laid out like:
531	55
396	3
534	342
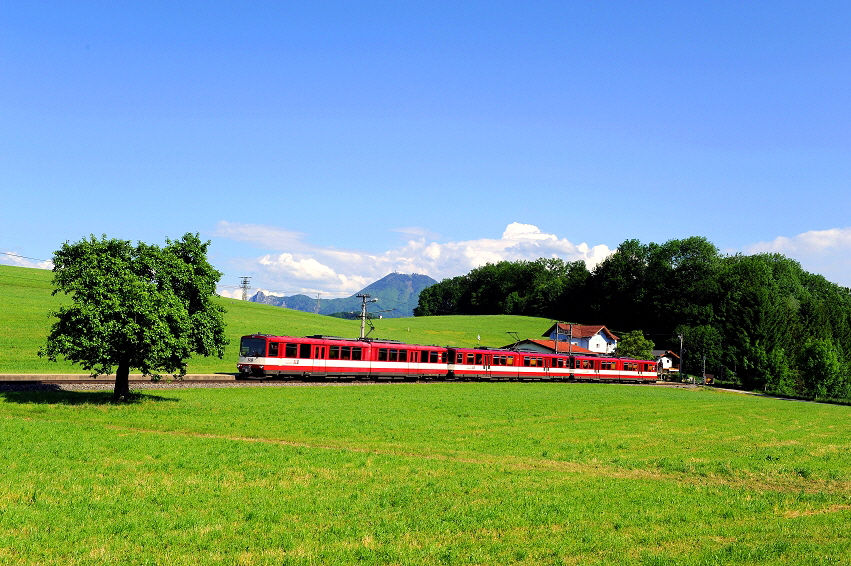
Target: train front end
252	356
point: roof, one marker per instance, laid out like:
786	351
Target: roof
663	353
551	345
580	330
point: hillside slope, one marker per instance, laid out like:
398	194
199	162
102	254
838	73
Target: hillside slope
25	301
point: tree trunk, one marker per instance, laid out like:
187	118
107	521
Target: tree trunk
122	380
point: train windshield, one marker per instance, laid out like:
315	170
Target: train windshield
252	347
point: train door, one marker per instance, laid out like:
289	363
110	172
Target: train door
483	365
320	356
487	366
411	359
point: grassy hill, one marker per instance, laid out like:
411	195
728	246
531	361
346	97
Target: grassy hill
25	301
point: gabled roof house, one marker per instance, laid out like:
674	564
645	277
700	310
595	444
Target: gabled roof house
594	338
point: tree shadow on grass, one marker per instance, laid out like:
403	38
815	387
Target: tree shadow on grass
52	394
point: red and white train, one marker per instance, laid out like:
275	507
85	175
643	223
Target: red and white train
329	357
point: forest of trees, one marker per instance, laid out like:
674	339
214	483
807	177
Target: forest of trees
759	320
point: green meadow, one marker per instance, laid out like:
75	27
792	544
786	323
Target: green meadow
25	301
443	473
510	473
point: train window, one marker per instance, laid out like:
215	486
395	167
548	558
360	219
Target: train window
333	352
403	355
509	361
357	353
273	349
291	351
393	355
479	359
459	358
345	352
470	359
252	347
304	350
382	354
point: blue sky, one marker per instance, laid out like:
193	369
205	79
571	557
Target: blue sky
322	145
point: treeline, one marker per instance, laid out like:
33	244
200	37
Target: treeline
758	320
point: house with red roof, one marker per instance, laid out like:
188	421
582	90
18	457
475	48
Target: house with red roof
592	338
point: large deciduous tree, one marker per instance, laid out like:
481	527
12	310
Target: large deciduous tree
144	307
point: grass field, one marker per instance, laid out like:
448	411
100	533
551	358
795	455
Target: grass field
25	302
436	474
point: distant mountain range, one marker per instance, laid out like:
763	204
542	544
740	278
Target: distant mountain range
397	296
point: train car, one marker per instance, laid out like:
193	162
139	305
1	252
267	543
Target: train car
397	360
592	368
546	367
477	363
263	355
331	357
503	365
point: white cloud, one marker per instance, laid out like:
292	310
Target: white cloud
417	232
14	258
261	236
827	252
230	293
814	241
301	268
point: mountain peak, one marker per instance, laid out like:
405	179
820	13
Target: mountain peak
397	294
